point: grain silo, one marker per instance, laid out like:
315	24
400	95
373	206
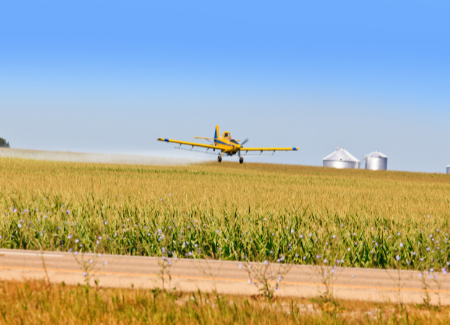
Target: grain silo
376	161
341	158
448	169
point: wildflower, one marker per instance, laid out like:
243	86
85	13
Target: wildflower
310	235
76	241
399	234
420	275
240	266
217	231
304	257
398	258
273	234
348	249
19	225
401	244
163	250
332	271
271	252
325	261
334	236
106	262
249	281
98	242
91	261
292	231
106	222
41	234
265	262
301	236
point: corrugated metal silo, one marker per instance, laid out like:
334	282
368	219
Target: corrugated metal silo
448	169
376	161
341	158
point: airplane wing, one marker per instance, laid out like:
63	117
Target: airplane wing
269	149
209	146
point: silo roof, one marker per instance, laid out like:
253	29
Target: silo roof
341	155
375	154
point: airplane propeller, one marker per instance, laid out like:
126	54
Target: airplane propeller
244	142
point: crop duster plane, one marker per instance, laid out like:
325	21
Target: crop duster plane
226	145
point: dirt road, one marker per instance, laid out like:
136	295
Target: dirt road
225	277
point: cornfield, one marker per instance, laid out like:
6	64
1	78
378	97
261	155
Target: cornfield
285	214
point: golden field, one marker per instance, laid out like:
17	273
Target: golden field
252	211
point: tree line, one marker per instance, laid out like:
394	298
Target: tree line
4	143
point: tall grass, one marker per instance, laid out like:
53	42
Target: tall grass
34	302
295	214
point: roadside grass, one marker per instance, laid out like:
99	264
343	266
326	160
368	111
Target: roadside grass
34	302
228	211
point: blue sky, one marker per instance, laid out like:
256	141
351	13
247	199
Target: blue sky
112	76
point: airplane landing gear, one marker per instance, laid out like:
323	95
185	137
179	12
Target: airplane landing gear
219	158
241	160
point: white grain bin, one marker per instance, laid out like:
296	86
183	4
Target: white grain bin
448	169
376	161
341	158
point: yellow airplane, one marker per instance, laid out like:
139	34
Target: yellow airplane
226	144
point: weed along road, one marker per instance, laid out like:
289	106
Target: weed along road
225	277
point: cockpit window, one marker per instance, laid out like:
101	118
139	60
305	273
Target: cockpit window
226	134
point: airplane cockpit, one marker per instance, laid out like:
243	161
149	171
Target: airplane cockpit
227	135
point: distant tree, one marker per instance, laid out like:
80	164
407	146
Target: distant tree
4	143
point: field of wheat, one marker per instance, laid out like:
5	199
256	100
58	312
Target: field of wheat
280	213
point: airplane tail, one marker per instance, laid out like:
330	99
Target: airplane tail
216	134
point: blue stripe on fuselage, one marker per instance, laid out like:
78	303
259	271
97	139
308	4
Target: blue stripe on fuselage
227	144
